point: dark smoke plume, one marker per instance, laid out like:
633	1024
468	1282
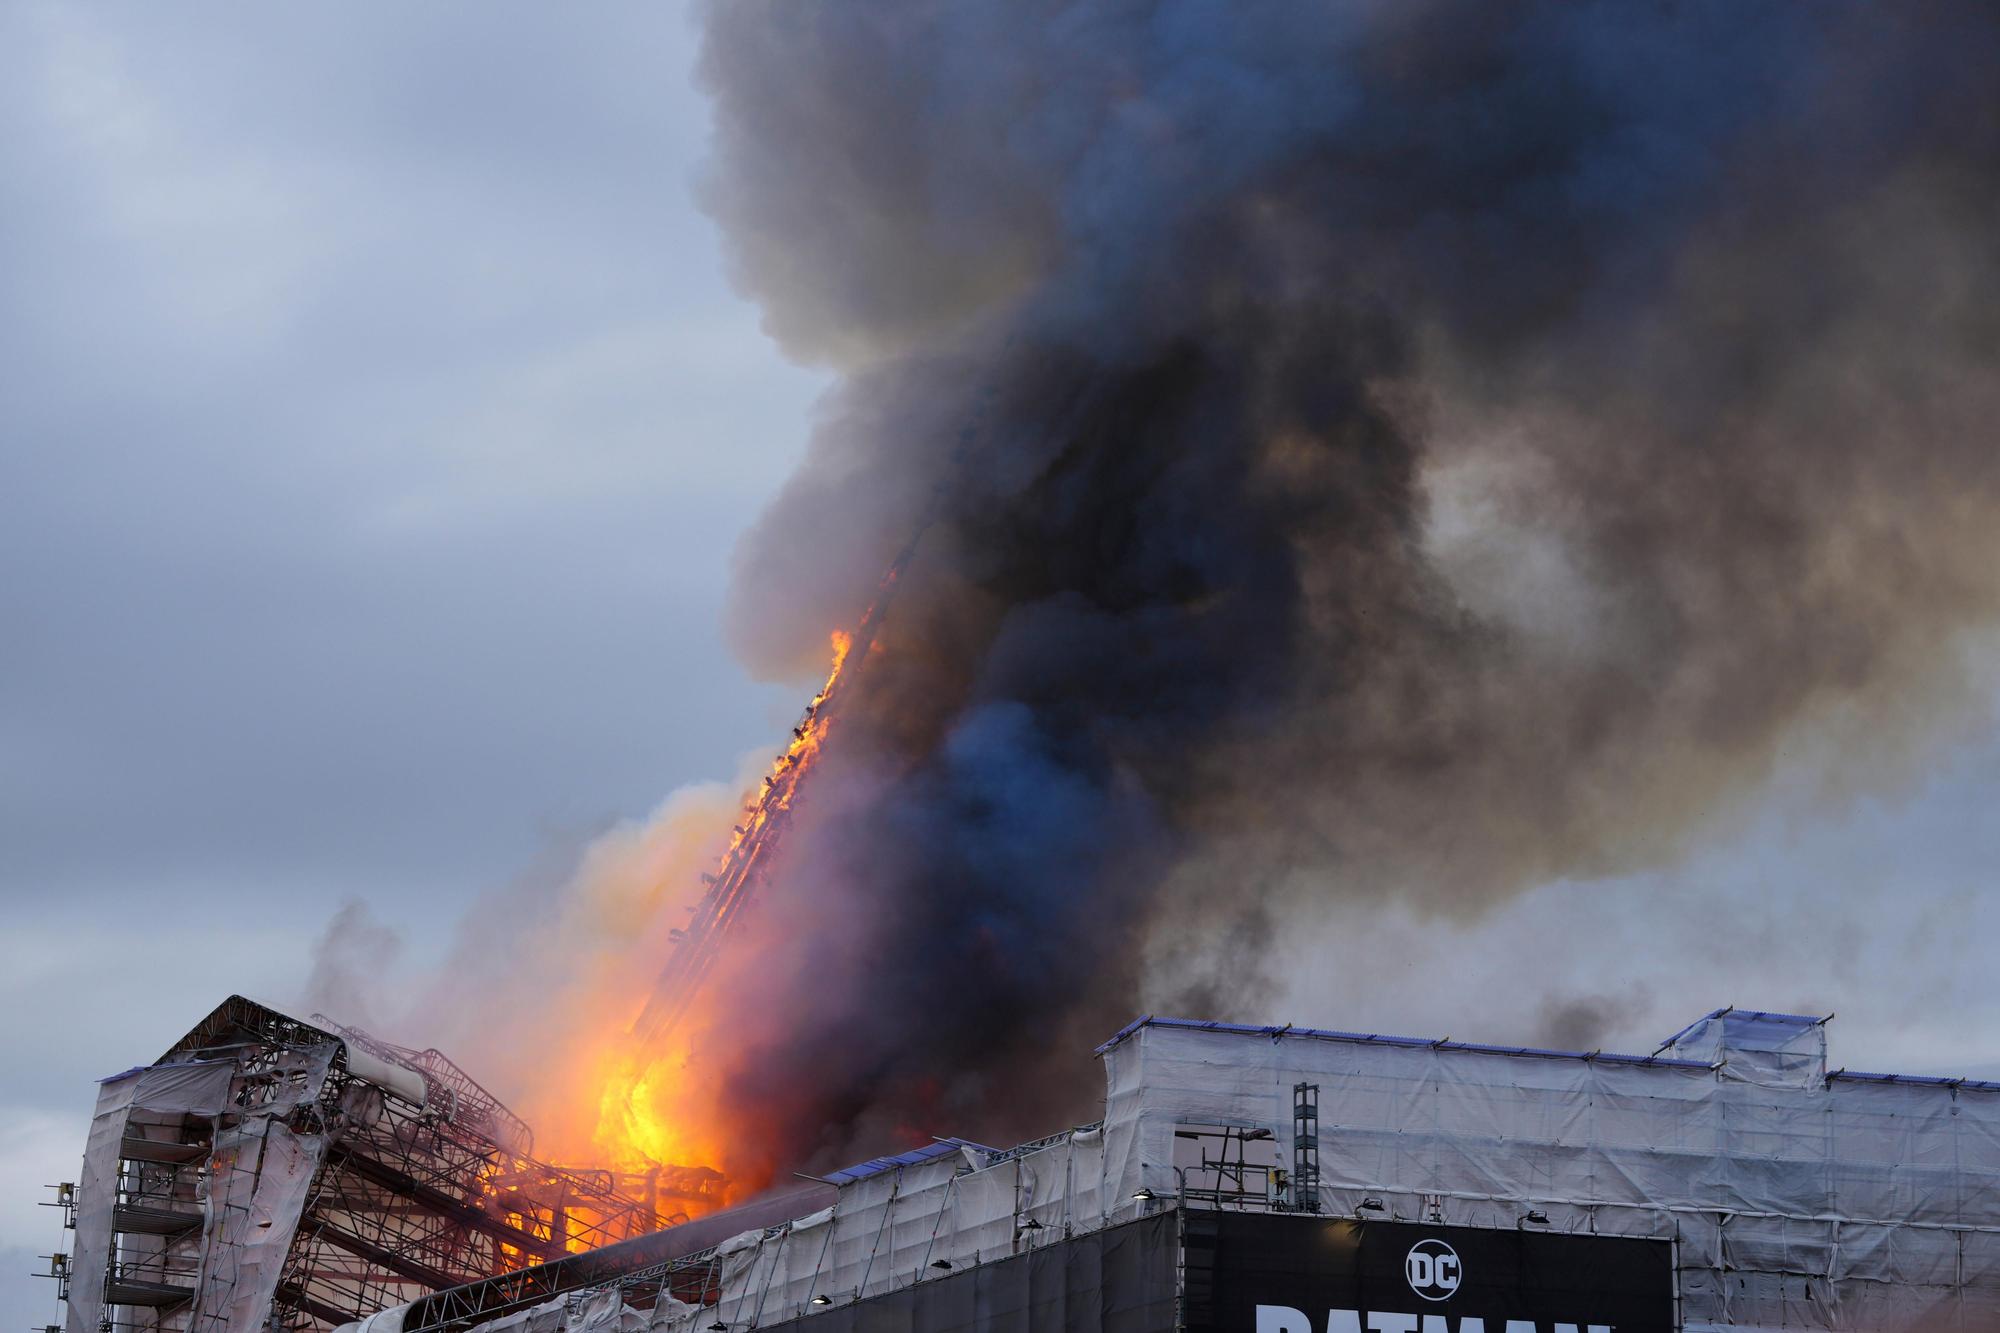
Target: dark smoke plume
1426	449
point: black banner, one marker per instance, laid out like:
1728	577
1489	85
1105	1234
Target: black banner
1251	1273
1119	1280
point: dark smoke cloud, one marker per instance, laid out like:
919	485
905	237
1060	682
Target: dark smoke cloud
1580	1022
1420	450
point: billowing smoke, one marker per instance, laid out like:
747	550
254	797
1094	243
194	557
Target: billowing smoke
1381	454
352	961
1360	449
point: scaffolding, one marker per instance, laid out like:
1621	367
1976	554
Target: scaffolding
274	1173
1305	1147
1780	1194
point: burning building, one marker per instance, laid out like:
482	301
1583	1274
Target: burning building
1282	1179
1369	455
1360	455
272	1173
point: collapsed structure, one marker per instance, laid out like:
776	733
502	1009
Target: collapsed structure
268	1172
1272	1178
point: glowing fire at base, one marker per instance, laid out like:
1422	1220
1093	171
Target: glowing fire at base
651	1106
631	1123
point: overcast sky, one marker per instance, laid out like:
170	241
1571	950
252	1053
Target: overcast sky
375	423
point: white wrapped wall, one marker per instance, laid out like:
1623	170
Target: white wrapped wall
896	1220
97	1196
249	1197
1798	1201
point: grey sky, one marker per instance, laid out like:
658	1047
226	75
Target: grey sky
375	423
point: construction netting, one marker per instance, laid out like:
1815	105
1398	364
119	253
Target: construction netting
591	1311
260	1172
1119	1279
905	1221
210	1239
1793	1199
1796	1201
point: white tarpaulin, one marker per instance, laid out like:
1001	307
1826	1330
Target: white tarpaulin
1797	1200
599	1311
140	1104
904	1220
97	1194
262	1173
241	1207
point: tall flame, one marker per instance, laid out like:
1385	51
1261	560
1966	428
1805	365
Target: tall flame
641	1097
652	1106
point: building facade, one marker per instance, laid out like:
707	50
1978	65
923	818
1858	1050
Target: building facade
1281	1180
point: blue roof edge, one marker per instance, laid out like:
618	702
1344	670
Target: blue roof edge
1913	1080
1802	1020
930	1152
1383	1039
1532	1052
1126	1031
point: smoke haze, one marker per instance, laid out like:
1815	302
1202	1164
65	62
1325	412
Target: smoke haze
1361	452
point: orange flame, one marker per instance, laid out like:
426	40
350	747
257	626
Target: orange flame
638	1106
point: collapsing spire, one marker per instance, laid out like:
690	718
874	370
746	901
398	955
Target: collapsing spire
753	844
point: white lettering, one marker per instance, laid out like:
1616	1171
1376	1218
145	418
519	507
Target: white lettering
1420	1269
1282	1319
1285	1319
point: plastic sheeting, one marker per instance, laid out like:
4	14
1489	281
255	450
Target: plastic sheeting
250	1198
1776	1050
911	1220
263	1171
1797	1200
140	1103
97	1195
198	1088
593	1311
1118	1280
1794	1199
382	1321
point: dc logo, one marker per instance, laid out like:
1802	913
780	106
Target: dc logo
1432	1268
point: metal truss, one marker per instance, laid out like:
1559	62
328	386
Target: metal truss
408	1200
